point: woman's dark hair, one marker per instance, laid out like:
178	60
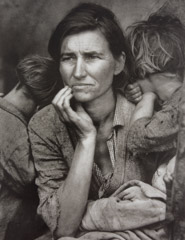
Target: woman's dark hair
41	77
90	16
158	45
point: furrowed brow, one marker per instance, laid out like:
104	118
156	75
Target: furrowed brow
66	54
93	53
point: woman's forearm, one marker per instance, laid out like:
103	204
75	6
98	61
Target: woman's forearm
74	194
118	214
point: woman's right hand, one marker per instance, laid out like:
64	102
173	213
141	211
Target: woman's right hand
79	118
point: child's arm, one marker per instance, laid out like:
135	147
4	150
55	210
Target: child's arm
145	107
145	102
133	92
157	133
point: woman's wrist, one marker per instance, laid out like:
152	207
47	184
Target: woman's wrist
89	138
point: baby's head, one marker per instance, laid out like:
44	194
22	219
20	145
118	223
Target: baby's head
164	175
158	46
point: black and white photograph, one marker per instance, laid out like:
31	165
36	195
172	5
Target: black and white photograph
92	120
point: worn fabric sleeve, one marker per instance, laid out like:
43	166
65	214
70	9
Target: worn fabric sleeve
139	234
114	214
158	133
16	166
51	170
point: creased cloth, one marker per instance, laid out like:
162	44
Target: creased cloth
16	163
18	195
140	234
53	144
114	214
159	133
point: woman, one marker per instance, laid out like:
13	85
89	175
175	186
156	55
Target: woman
79	143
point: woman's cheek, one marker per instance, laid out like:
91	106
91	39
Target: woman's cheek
65	75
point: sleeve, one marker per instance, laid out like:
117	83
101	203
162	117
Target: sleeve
114	214
16	166
139	234
156	134
51	171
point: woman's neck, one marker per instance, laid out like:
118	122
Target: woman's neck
101	109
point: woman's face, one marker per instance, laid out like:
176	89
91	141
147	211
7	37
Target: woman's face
87	65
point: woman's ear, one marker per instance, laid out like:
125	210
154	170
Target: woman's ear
120	64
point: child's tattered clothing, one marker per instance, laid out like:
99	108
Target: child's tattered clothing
159	133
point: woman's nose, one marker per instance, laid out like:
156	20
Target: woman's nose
79	70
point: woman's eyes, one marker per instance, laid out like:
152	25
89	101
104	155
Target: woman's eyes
87	58
67	58
91	57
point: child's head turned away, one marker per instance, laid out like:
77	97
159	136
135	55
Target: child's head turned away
158	46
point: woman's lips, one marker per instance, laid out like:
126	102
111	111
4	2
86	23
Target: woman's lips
81	86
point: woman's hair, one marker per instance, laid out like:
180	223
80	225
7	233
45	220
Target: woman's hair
158	45
90	16
41	77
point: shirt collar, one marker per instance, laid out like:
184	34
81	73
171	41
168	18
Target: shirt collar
119	113
10	108
122	111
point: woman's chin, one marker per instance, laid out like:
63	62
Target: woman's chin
82	98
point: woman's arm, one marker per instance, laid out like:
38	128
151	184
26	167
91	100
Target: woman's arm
74	193
118	213
63	174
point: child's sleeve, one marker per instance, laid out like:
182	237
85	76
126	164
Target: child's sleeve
158	133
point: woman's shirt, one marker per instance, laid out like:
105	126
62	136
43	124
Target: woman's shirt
53	145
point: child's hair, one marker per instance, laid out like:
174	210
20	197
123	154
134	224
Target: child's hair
41	77
158	45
